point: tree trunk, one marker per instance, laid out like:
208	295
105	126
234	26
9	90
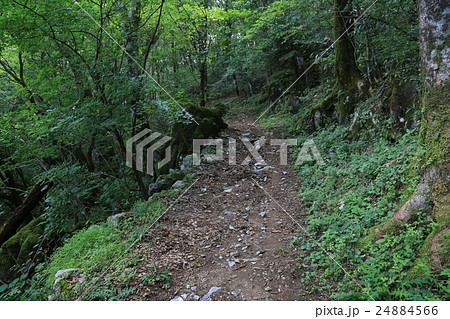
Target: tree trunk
349	83
203	54
23	211
348	76
434	189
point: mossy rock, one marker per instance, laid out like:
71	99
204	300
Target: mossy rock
67	283
164	182
210	124
210	121
17	249
207	128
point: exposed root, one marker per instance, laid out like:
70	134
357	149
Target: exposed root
420	200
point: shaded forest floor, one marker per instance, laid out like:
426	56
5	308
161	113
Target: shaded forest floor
228	232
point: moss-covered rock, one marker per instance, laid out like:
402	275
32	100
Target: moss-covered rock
17	249
164	182
66	284
210	121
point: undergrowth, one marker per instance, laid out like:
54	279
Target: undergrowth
102	253
361	185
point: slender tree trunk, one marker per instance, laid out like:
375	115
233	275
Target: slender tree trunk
138	120
348	76
203	54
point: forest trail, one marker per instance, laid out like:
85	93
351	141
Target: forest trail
228	232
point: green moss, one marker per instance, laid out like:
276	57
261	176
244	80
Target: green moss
210	121
16	250
393	228
420	269
441	197
434	132
64	289
89	249
364	242
445	244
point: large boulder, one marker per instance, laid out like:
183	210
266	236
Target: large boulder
208	124
17	249
210	121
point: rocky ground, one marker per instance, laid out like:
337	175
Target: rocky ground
228	237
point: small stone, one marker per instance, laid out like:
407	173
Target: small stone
193	288
234	254
262	214
268	288
234	293
189	161
61	290
177	298
229	190
114	219
178	184
184	296
262	170
196	297
207	297
209	159
231	227
244	248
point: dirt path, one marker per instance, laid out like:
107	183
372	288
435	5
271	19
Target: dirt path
227	232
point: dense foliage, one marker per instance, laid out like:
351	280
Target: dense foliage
77	79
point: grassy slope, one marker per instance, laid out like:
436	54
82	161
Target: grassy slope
100	250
